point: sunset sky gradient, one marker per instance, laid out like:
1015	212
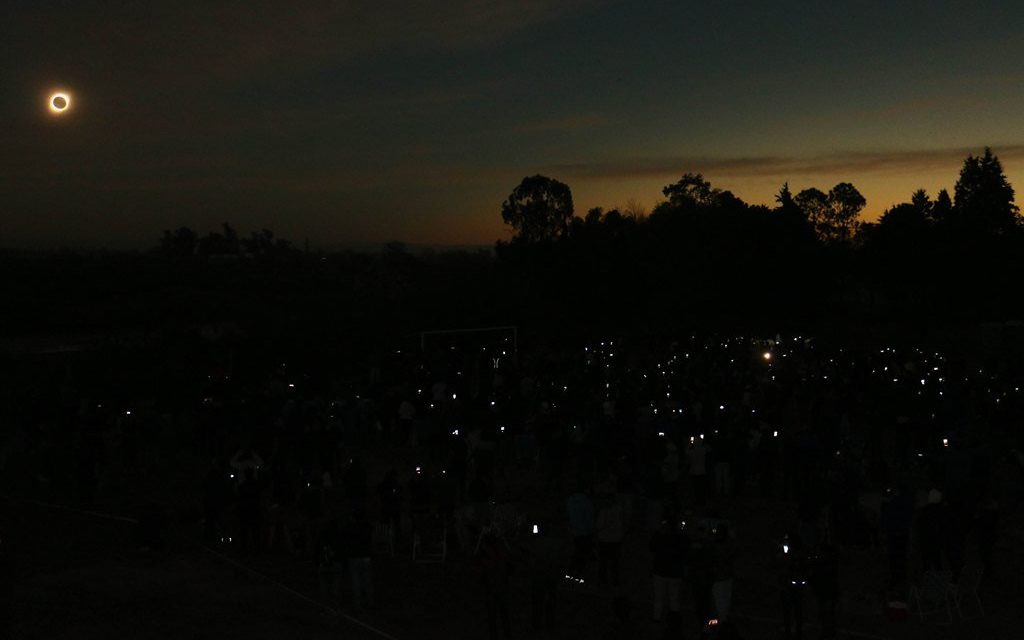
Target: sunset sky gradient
369	121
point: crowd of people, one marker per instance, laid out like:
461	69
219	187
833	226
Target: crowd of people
552	461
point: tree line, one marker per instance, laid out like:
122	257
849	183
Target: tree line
703	256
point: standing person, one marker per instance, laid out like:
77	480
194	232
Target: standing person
610	527
250	512
696	460
669	547
389	493
988	520
724	558
544	557
824	572
494	563
670	473
702	574
897	519
328	564
406	422
793	579
581	527
359	543
932	526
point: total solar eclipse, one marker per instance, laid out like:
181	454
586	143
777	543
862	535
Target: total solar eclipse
60	102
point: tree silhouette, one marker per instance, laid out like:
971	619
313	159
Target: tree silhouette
834	215
942	208
691	191
846	203
539	209
226	243
983	196
181	243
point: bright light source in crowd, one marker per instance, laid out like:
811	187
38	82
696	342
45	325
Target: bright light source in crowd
767	355
661	434
536	529
945	442
775	434
785	548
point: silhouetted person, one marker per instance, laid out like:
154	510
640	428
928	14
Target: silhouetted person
933	526
249	512
702	575
358	549
610	530
545	563
389	492
329	561
494	563
824	572
215	499
581	527
669	547
794	578
897	518
988	522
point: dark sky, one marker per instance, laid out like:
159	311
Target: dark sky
349	122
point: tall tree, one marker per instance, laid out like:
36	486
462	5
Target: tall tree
983	197
692	190
942	208
539	209
833	214
845	205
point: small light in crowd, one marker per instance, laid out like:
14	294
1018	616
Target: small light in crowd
455	432
502	429
702	436
945	442
661	434
536	529
418	470
127	413
291	385
767	355
492	403
775	434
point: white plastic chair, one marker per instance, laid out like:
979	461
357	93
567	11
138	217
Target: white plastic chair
934	595
966	589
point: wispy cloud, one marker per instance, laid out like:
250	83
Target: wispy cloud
572	122
853	162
